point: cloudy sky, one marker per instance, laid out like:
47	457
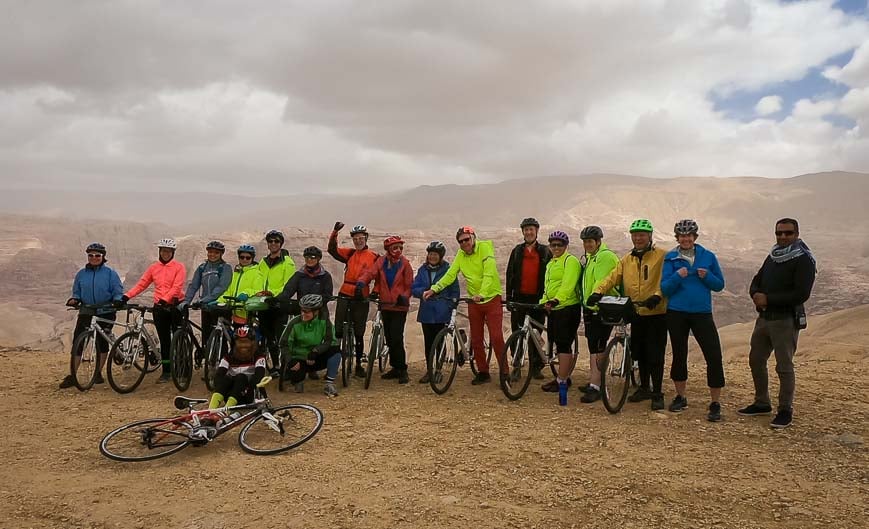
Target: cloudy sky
338	96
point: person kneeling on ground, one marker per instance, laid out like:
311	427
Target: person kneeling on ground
309	345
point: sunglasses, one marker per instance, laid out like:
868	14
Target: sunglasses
94	255
556	244
273	241
465	240
244	257
784	232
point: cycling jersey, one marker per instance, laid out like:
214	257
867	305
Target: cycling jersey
640	279
212	279
168	279
355	261
277	272
562	274
245	280
479	270
597	267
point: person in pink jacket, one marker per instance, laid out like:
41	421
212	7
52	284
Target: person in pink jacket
393	277
168	277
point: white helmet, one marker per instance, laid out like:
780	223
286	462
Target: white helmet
167	243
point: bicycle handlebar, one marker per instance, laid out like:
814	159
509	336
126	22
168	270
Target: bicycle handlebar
517	305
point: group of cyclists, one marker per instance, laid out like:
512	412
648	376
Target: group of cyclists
672	291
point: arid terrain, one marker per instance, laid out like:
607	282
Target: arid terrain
400	456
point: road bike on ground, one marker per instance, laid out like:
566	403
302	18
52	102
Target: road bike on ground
136	352
267	429
451	348
618	370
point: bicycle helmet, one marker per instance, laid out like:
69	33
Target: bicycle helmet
392	239
641	225
312	251
465	229
559	235
591	232
246	248
167	243
275	234
686	227
96	247
359	228
530	221
243	332
436	246
215	245
311	302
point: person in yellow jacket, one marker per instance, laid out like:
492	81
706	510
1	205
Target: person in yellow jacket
476	261
639	275
562	305
246	282
276	269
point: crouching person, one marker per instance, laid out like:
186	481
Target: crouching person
309	345
239	371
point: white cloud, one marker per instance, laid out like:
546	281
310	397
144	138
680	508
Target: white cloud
768	105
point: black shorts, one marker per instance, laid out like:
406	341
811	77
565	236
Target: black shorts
597	334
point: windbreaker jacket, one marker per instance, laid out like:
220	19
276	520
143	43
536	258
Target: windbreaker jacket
479	269
562	275
212	279
276	276
597	267
245	280
168	279
691	294
400	285
300	337
640	279
94	285
514	268
437	309
355	262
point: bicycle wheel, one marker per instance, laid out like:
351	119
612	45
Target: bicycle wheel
127	362
518	348
288	427
214	351
348	351
443	361
614	374
146	440
376	344
182	358
84	368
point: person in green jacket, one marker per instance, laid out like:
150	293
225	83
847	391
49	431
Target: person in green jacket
276	269
562	305
476	261
246	282
308	344
599	261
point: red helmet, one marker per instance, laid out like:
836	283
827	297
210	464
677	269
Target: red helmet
392	239
465	229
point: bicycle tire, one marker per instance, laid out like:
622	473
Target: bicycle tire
88	365
376	344
129	355
294	431
517	351
214	351
614	381
181	357
473	358
348	352
142	439
443	361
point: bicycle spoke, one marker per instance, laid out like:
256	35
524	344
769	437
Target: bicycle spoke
144	440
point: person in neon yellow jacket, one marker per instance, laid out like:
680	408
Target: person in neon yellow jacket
246	281
562	304
476	262
276	268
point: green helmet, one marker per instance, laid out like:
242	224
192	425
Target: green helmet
641	225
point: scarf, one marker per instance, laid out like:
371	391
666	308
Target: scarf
784	254
312	272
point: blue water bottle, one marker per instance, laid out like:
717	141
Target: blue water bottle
562	393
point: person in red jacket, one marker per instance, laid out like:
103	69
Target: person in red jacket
393	277
168	276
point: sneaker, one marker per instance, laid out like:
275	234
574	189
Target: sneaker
99	379
425	379
552	386
537	373
402	377
755	409
299	387
640	395
584	388
313	375
390	375
164	378
481	378
592	395
359	371
782	419
679	403
714	414
330	390
67	382
657	401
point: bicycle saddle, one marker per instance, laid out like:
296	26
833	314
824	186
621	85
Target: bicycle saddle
182	403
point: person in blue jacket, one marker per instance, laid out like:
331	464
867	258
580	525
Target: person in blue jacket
434	314
691	273
210	281
95	284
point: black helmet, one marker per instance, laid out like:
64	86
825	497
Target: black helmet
275	234
311	302
312	251
530	221
96	247
437	246
686	227
215	245
591	232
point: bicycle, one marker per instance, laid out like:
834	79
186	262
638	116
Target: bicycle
618	370
347	343
287	426
520	345
184	348
220	340
135	353
450	349
378	349
85	367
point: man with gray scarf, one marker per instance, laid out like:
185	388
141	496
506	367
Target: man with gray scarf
778	290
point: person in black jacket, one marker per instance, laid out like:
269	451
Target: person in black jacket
525	272
312	278
778	290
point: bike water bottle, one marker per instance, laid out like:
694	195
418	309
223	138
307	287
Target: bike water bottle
562	393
